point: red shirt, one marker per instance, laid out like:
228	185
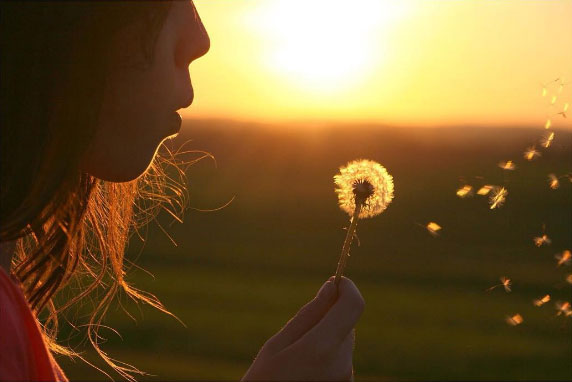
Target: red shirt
23	352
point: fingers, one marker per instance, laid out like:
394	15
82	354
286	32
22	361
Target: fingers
340	319
306	318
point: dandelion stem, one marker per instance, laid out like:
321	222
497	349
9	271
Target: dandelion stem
347	244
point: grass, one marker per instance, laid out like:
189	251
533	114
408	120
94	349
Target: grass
240	273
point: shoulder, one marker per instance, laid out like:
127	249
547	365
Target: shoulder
14	344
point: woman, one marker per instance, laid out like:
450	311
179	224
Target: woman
89	91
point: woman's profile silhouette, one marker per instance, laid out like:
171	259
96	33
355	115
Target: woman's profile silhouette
89	91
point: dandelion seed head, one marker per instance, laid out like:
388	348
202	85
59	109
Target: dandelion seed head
485	190
553	181
531	153
433	228
465	191
514	320
498	197
366	182
508	165
541	301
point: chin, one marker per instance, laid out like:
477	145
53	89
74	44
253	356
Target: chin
122	167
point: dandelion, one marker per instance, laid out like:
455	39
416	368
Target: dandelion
541	301
508	165
485	190
465	191
514	320
531	153
541	240
433	228
563	258
547	140
563	308
553	181
364	189
505	282
498	197
548	124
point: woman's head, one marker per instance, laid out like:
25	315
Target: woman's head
140	103
87	95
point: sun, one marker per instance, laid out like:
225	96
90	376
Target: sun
325	45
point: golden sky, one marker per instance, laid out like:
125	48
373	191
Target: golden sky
398	62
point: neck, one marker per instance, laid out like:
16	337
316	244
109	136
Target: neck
7	250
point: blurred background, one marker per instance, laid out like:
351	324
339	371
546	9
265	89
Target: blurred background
437	92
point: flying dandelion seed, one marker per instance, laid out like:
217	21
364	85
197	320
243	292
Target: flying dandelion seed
553	181
563	308
541	301
541	240
566	106
514	320
485	190
553	100
531	153
508	165
544	92
569	278
563	258
505	282
433	228
498	197
465	191
364	189
547	140
548	124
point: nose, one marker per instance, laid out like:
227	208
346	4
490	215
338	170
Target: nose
204	41
195	44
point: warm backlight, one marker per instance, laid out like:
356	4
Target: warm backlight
325	45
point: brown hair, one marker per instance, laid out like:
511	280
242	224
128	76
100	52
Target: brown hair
70	225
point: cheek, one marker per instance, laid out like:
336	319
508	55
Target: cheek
129	131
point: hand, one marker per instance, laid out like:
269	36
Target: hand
317	343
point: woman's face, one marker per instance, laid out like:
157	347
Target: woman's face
139	106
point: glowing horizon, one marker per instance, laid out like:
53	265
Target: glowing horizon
409	62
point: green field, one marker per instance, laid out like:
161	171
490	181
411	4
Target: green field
238	274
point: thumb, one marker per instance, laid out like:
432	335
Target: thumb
306	318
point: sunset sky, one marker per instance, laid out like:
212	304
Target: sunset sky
406	62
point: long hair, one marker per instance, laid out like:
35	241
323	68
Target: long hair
70	226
